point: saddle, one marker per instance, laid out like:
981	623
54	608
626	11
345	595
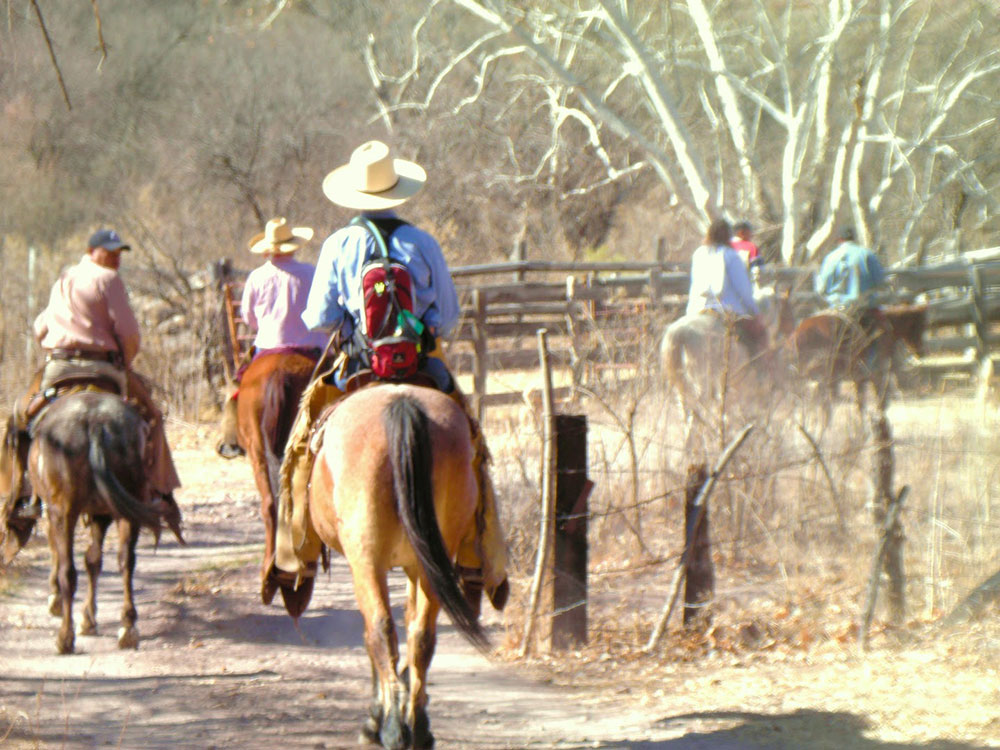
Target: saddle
72	382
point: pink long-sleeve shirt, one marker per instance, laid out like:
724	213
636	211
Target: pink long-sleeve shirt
274	297
89	310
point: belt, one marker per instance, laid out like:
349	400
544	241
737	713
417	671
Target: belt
95	356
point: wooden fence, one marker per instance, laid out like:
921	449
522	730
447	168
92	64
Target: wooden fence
599	314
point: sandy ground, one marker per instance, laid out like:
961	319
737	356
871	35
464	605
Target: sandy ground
216	669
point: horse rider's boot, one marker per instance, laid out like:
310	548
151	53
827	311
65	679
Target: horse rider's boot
27	505
482	555
229	436
297	546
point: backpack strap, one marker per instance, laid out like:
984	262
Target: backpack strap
381	229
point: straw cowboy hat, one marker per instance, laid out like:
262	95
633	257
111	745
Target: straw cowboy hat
278	237
373	180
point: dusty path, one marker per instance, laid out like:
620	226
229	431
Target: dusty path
216	669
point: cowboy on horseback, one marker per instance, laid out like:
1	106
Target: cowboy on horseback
273	300
850	276
412	263
848	280
91	336
720	283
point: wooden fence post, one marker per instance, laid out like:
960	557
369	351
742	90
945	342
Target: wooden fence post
661	250
569	586
699	577
979	325
883	502
546	513
480	353
520	254
700	503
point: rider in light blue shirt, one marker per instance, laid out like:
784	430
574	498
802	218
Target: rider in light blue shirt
335	297
850	274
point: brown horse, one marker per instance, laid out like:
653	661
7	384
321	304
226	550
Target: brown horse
87	458
393	486
833	345
268	400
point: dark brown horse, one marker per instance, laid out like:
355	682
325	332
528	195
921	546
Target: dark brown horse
393	486
268	401
833	345
87	457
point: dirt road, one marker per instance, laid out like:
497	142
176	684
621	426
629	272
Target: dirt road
216	669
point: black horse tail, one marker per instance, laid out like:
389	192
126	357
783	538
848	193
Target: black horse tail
412	461
102	444
279	406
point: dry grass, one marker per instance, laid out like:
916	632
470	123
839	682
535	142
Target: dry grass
793	533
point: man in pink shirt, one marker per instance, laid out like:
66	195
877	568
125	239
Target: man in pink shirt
88	329
274	297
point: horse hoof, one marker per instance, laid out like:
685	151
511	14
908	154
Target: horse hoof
369	732
128	637
422	737
229	450
87	628
499	595
65	644
55	605
297	599
268	588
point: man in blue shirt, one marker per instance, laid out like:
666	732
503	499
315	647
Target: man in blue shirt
850	274
374	183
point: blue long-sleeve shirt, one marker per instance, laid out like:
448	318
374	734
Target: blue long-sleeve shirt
335	299
849	273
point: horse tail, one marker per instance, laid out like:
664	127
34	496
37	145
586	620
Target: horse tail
126	504
411	457
672	356
279	406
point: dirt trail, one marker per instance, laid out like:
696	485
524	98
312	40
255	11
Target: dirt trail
216	669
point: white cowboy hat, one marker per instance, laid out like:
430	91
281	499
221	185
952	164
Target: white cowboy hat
278	237
373	180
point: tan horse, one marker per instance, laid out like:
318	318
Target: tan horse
87	458
393	486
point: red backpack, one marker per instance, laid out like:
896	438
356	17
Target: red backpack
390	333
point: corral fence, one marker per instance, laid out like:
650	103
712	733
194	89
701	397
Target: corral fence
608	315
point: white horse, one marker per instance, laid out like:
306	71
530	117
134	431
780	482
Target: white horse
707	365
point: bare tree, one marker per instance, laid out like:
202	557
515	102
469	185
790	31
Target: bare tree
816	113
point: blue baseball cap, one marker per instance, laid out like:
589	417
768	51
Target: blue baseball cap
108	239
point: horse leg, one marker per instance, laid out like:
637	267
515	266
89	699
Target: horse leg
268	505
128	536
422	610
61	526
94	561
372	594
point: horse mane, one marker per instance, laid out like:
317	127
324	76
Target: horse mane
412	458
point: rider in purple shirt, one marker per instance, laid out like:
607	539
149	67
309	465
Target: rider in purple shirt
721	282
274	297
